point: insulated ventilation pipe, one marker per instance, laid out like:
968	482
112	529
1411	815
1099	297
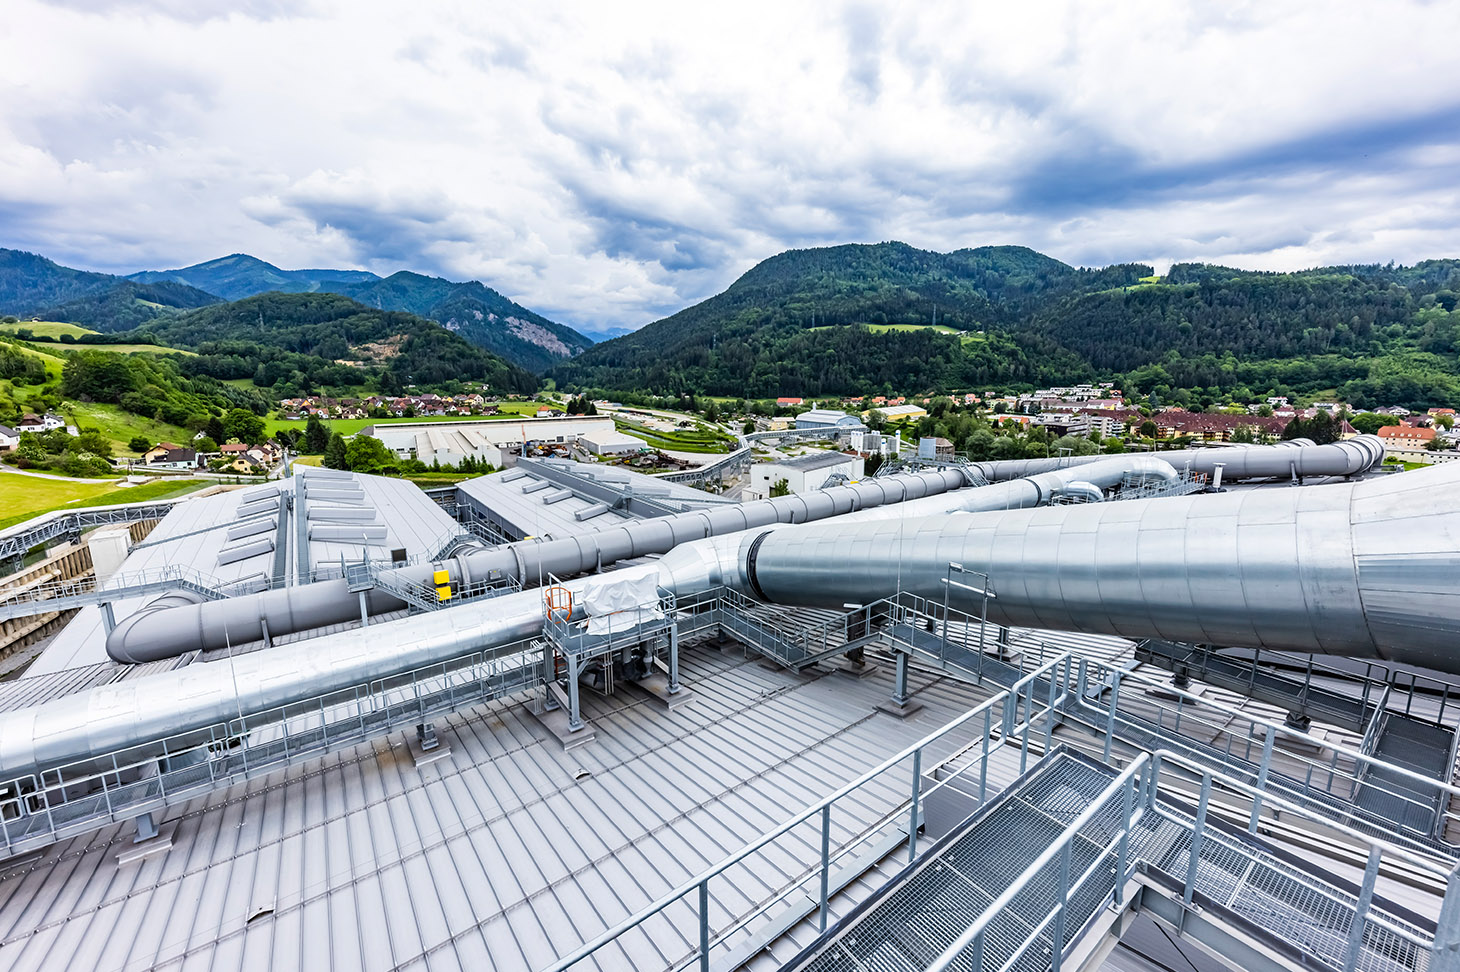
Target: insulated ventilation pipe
164	629
1295	458
1369	569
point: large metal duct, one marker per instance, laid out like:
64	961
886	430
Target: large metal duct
1300	458
1093	478
165	630
1367	568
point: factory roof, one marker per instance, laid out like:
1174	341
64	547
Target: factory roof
504	854
527	503
814	460
251	539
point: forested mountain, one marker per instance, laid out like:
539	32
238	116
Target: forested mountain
853	319
127	305
472	309
32	286
29	283
293	344
239	275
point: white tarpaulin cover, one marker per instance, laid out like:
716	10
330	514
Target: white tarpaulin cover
614	602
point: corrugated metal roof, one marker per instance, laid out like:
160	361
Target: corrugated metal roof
411	520
505	854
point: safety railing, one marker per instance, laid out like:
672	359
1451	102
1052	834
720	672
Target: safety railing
1317	771
797	645
78	797
1008	718
568	630
59	595
1143	823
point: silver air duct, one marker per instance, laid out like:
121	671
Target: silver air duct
164	630
1298	457
167	630
1369	568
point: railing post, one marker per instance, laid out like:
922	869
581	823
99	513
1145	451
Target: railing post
1445	955
1110	716
705	925
1057	933
1361	912
983	764
825	864
1261	781
1197	832
1122	848
912	823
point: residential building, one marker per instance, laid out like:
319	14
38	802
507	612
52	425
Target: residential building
1405	437
159	452
787	402
176	458
9	438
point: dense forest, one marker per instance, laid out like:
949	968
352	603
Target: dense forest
854	319
296	344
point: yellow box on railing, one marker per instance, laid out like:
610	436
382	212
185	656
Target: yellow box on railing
443	593
442	578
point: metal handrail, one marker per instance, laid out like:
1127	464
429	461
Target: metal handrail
700	883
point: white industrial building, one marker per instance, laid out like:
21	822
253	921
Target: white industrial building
802	474
490	440
611	442
826	418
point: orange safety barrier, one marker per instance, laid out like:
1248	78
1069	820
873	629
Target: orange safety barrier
559	603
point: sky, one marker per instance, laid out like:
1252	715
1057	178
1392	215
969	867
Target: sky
607	164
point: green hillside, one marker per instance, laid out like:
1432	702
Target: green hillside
853	319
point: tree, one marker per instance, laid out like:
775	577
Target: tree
365	453
316	436
243	425
335	452
1370	422
748	427
782	487
139	443
205	444
873	463
1149	430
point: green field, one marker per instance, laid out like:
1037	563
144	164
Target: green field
22	497
885	328
55	329
46	328
120	426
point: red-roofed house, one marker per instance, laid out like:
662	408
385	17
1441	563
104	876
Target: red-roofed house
1405	436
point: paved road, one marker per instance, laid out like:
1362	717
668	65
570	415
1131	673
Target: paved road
64	479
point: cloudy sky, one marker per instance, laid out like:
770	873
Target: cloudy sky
608	163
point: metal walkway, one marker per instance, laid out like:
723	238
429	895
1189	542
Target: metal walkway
1019	886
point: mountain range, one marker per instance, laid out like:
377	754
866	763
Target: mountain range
33	286
889	317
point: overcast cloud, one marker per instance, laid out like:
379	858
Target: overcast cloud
607	164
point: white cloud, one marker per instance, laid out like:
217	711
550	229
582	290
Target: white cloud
610	163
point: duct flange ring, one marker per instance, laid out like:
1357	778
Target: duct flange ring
750	564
